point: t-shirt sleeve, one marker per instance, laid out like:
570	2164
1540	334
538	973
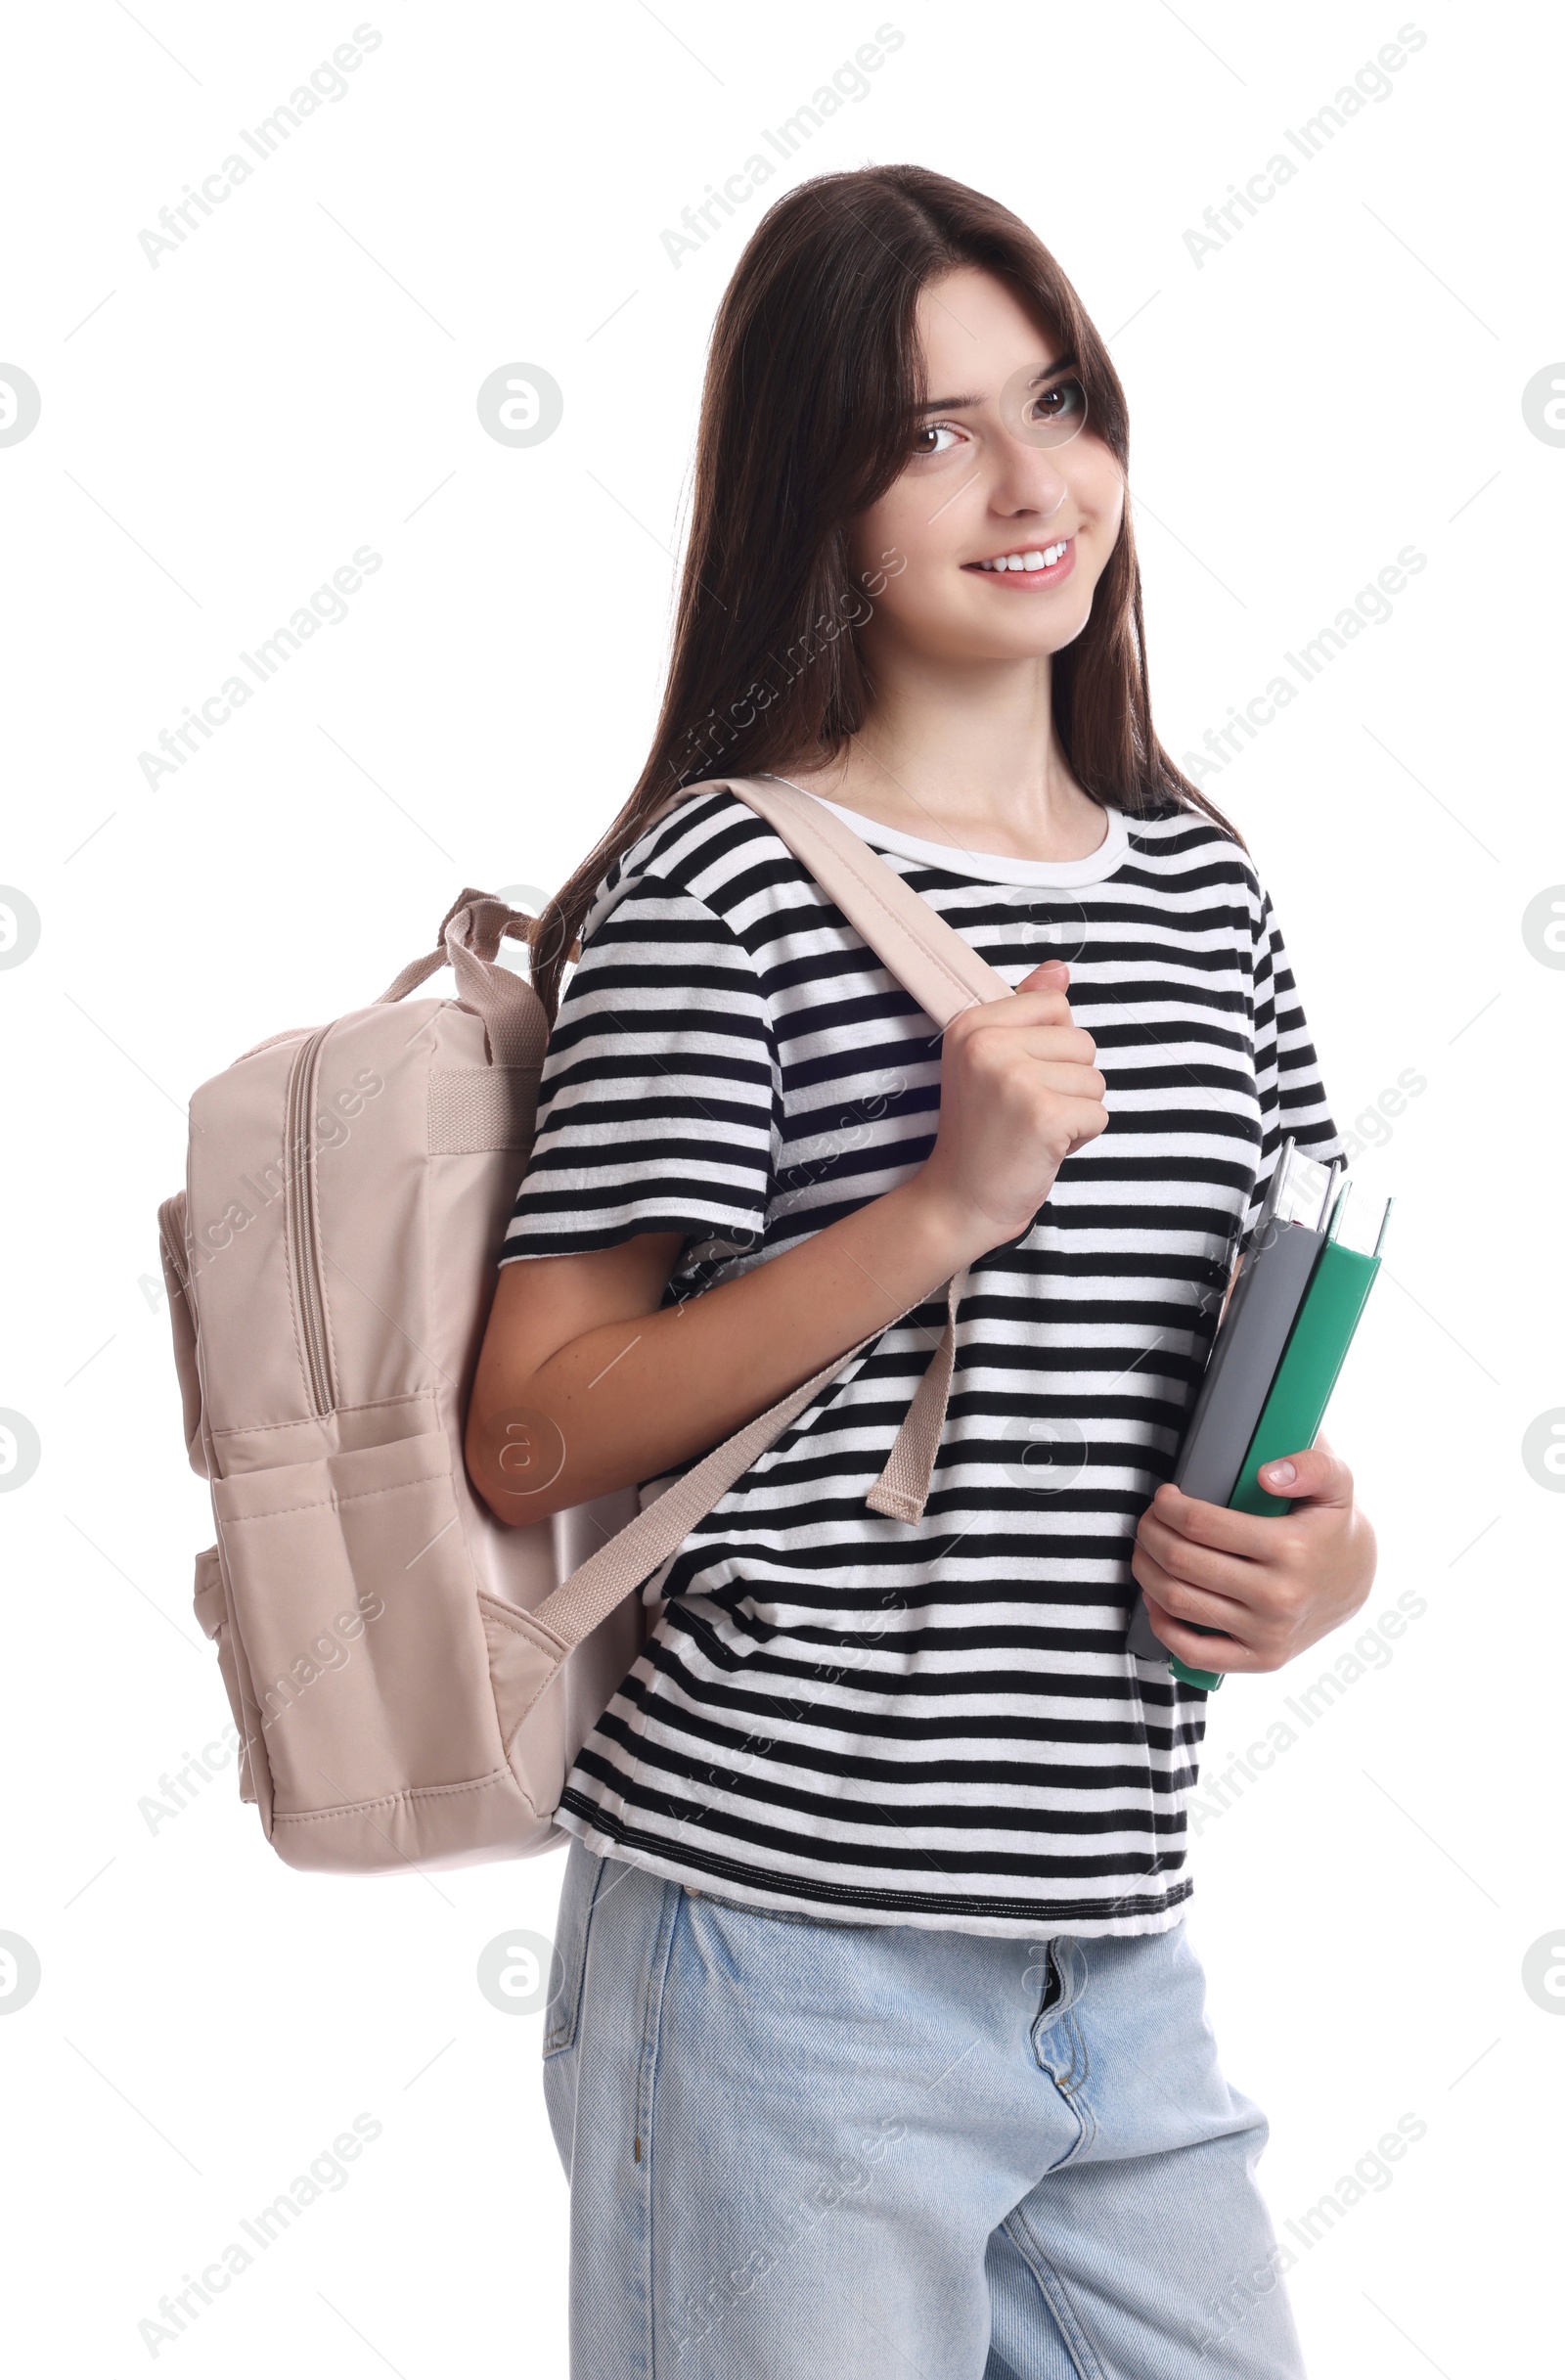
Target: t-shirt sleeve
1293	1099
658	1095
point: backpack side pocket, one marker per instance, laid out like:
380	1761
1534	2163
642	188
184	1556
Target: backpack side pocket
211	1610
182	1322
357	1609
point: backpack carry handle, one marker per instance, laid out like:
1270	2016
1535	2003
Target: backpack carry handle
470	934
488	924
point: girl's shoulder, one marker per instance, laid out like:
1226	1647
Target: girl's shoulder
1169	823
712	848
1172	836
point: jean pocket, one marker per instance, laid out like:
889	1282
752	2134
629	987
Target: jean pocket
783	1917
578	1897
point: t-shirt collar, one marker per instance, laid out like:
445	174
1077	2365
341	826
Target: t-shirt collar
988	867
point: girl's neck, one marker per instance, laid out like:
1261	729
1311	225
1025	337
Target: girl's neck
965	758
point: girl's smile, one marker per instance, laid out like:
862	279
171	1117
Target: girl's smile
1029	566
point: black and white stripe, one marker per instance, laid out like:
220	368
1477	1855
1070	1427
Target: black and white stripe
931	1724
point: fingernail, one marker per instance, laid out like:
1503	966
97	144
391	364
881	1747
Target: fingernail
1280	1473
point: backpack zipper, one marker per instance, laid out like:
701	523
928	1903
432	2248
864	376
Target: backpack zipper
302	1222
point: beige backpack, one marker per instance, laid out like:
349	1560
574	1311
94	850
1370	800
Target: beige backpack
411	1677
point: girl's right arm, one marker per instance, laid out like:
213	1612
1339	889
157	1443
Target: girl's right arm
587	1383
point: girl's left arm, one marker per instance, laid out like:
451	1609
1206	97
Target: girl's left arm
1274	1583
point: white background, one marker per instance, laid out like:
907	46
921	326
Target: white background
218	433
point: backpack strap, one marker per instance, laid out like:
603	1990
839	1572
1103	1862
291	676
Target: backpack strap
591	1593
927	957
945	975
903	1488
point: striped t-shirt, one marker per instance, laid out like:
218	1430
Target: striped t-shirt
932	1722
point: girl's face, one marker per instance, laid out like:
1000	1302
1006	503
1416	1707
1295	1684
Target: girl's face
987	476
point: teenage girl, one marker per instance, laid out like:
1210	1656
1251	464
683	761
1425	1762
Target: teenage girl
877	2044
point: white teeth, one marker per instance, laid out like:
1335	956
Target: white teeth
1032	559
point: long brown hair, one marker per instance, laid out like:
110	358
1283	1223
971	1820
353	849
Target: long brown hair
811	387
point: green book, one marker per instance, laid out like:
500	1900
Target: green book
1319	1339
1301	1388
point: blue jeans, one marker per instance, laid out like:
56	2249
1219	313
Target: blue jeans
800	2147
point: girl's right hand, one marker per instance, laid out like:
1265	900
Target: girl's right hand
1019	1093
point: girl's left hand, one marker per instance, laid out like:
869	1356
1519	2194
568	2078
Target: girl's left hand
1275	1583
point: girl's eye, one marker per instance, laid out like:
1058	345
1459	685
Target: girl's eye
927	439
1064	404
